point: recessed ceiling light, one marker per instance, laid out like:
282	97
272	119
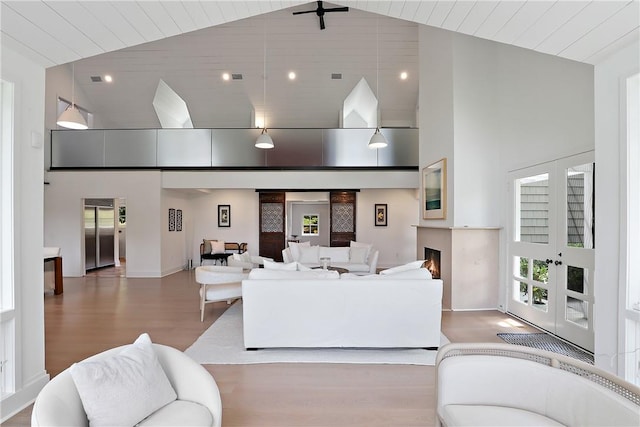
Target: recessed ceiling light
292	75
108	78
404	75
226	76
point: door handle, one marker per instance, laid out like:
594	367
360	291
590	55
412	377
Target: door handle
558	263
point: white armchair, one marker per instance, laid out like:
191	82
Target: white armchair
219	283
246	261
198	402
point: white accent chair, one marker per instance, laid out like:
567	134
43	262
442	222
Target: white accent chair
198	403
495	384
219	283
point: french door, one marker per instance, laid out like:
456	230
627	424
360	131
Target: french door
551	247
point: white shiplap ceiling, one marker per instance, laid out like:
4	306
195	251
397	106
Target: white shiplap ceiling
139	42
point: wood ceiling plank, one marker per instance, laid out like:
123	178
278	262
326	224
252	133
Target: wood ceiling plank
499	17
139	19
9	42
476	16
118	25
88	24
557	15
424	11
34	38
617	26
615	46
440	13
457	15
160	16
58	28
197	13
591	16
214	13
180	15
527	16
409	10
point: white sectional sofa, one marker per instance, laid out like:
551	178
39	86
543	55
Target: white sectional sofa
493	384
358	258
319	308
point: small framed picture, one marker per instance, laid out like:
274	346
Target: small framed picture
224	215
179	220
172	219
381	215
434	190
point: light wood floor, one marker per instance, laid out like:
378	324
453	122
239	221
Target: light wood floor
104	309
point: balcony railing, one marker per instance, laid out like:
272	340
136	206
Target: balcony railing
231	149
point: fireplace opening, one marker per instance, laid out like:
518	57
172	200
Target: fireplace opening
432	261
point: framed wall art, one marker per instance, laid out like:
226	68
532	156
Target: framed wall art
380	215
172	219
224	215
434	190
179	220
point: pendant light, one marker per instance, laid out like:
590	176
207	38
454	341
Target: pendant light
377	139
264	141
71	118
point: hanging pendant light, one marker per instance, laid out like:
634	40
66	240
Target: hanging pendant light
377	139
264	141
71	118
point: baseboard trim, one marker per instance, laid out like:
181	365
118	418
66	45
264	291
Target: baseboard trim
11	405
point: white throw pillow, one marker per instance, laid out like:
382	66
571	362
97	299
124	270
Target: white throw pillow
337	254
245	256
358	255
302	267
295	249
409	266
217	247
362	245
271	265
309	255
123	389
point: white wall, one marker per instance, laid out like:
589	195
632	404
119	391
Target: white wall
63	222
28	79
610	161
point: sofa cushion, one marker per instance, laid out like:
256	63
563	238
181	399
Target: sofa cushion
272	265
125	388
368	246
358	255
217	247
337	254
417	273
295	249
487	415
180	413
264	274
309	255
207	246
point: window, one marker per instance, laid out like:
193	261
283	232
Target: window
310	225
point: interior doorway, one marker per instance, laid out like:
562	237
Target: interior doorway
307	217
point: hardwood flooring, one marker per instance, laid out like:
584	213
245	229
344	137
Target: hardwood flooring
104	309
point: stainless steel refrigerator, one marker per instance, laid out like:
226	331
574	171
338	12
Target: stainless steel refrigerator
99	232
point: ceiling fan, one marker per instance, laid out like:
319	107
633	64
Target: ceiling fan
321	10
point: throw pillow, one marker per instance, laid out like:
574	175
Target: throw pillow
409	266
125	388
217	247
416	273
245	256
309	255
358	255
337	254
362	245
295	249
207	246
271	265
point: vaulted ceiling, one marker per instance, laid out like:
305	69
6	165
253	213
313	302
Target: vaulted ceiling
190	44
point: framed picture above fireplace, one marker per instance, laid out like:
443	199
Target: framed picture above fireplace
434	190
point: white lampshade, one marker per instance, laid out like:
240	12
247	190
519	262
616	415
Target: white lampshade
377	140
264	140
71	118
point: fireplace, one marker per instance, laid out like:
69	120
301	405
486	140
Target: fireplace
432	261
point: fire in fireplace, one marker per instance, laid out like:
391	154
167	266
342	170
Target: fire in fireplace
432	261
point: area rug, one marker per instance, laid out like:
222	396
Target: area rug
547	342
223	344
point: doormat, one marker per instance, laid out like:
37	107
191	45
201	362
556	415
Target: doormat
547	342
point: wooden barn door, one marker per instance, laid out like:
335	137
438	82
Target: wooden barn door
272	215
343	217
